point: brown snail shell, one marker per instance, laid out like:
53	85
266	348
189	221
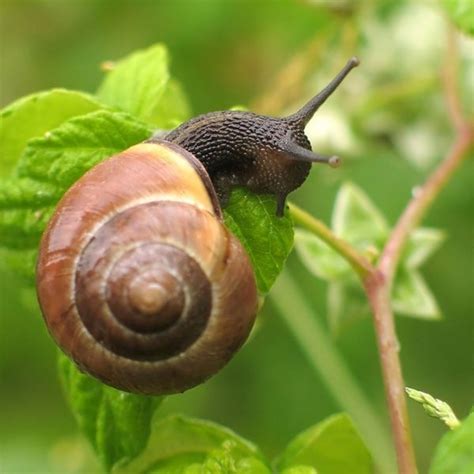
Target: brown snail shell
139	281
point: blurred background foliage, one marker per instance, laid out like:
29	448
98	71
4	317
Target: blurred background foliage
388	121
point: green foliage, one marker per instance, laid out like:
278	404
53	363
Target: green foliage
300	470
331	447
176	440
140	85
399	93
357	220
67	152
461	13
267	239
34	115
116	423
455	451
50	156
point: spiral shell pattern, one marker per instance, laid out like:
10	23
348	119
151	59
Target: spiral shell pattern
139	281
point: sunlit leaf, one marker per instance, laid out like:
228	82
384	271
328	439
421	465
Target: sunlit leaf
116	423
136	84
267	238
319	258
177	440
422	243
33	116
357	219
333	446
455	451
300	470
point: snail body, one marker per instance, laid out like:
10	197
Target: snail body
265	154
138	279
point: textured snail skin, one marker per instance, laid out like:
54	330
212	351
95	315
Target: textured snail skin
243	149
265	154
139	281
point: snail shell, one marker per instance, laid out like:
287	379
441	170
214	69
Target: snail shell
139	281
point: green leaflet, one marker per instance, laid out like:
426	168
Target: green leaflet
137	83
455	451
357	219
412	297
116	423
332	446
267	238
178	442
320	259
68	151
225	460
300	470
34	115
173	108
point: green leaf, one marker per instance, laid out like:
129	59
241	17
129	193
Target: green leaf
137	83
173	108
422	243
68	151
461	13
319	258
33	116
455	451
332	446
268	239
225	461
412	297
300	470
116	423
49	165
177	440
356	218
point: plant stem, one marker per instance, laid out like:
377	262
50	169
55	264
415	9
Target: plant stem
327	361
378	285
378	289
378	281
420	203
378	294
358	262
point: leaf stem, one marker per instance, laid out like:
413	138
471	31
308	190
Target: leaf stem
358	262
324	357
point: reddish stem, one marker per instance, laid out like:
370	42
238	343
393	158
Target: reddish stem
378	293
378	283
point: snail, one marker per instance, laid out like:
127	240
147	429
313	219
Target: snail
138	279
264	154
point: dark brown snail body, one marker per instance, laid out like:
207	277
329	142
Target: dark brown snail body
139	281
265	154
